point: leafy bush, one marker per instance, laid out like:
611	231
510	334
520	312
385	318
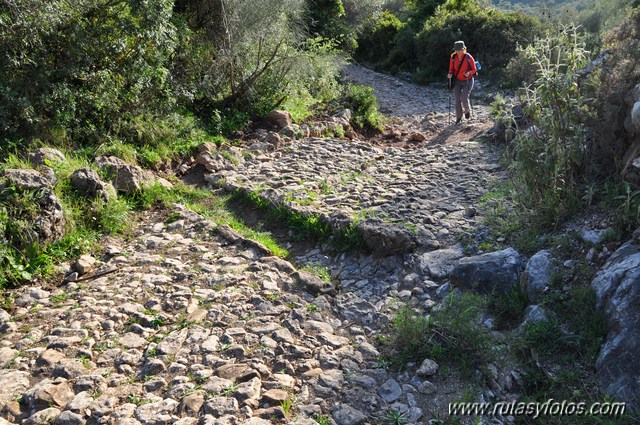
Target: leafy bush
376	42
71	70
364	106
550	152
327	18
490	35
315	79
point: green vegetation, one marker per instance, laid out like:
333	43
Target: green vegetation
319	270
549	152
451	334
303	226
364	105
393	417
419	40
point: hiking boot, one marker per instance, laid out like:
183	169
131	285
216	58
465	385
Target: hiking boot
467	115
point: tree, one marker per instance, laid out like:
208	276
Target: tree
80	67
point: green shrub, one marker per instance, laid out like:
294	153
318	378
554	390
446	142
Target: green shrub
113	217
315	81
71	70
364	106
374	44
327	18
509	307
452	334
491	37
550	151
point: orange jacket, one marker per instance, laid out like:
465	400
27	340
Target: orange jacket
467	64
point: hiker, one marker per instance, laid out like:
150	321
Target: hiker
462	68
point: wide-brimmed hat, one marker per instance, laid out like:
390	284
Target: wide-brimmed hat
459	45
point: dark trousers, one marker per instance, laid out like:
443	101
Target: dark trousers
462	89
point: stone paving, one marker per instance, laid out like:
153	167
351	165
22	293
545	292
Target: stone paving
194	324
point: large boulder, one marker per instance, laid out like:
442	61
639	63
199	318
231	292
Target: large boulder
495	272
386	239
617	287
88	182
126	177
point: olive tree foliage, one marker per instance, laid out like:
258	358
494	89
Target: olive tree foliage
75	69
359	12
241	53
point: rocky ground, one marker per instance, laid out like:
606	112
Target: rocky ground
194	324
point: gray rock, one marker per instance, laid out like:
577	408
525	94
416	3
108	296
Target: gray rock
50	224
279	118
427	368
256	421
535	314
385	239
87	182
153	367
495	272
126	177
4	317
46	156
443	290
158	413
13	384
46	393
173	342
248	390
313	284
357	309
635	116
80	402
427	387
592	236
344	414
537	274
274	413
7	355
85	264
70	418
390	391
617	287
27	179
44	416
220	406
440	263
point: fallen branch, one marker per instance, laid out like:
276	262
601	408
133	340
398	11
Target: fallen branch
97	275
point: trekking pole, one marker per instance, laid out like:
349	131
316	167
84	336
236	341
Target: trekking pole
449	120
